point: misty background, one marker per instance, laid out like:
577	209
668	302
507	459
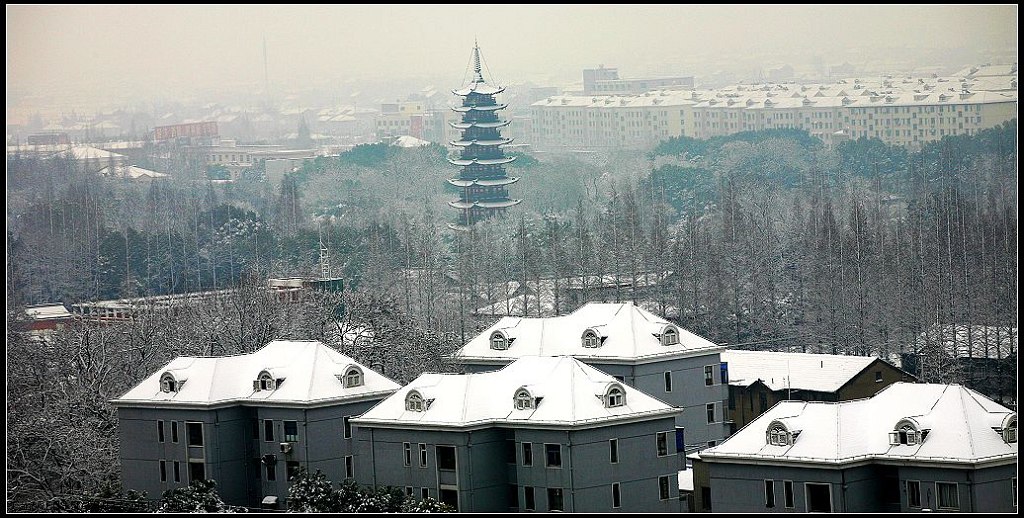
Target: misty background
86	58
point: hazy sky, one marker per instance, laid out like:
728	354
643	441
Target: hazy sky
88	47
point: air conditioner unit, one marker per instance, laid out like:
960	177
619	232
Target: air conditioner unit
286	447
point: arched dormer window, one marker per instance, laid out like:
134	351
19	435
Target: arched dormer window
670	336
1010	429
778	435
499	342
168	383
414	402
906	433
614	396
591	339
266	381
353	377
524	400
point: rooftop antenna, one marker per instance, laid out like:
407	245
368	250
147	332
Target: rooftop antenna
325	257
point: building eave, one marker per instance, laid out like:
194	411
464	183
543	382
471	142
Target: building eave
216	405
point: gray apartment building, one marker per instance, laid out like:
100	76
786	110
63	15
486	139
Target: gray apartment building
541	434
247	421
637	347
909	448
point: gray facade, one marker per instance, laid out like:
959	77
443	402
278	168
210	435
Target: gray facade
502	469
236	452
738	487
687	390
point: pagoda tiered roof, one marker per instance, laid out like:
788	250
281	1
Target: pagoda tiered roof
484	182
481	161
475	142
485	108
481	125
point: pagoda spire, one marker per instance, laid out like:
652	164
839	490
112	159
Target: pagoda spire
478	78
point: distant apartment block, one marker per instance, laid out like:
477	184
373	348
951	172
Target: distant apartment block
637	347
606	81
909	448
545	434
907	112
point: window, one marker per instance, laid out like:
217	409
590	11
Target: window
663	485
423	455
347	426
616	496
414	401
712	443
268	430
819	497
615	397
711	412
613	450
787	489
523	400
194	434
709	375
353	377
168	383
265	381
291	431
668	381
778	435
350	469
905	434
913	494
163	471
424	493
769	493
510	451
498	341
1010	429
409	491
662	443
292	469
160	431
177	471
591	340
705	498
528	502
553	453
669	336
445	458
949	497
555	499
271	472
408	453
527	454
723	369
174	431
878	376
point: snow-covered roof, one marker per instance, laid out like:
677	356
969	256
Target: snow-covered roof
131	171
47	312
974	341
409	141
627	334
962	428
310	371
566	393
89	152
797	371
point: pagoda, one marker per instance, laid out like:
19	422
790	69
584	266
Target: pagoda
481	161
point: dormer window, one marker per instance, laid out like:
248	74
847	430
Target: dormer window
168	383
266	381
591	340
498	341
906	433
353	377
1010	429
524	400
414	402
670	336
778	435
615	396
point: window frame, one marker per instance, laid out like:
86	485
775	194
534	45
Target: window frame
548	451
938	495
353	377
616	495
769	493
174	432
910	501
527	453
552	491
423	455
709	408
290	437
529	499
709	375
664	488
160	431
407	451
613	451
668	381
661	443
788	494
163	471
268	430
350	467
188	434
346	426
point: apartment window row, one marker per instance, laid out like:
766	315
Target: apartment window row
193	433
196	470
555	499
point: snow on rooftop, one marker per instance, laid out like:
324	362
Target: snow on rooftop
310	371
133	172
959	421
798	371
627	332
567	393
47	312
409	141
